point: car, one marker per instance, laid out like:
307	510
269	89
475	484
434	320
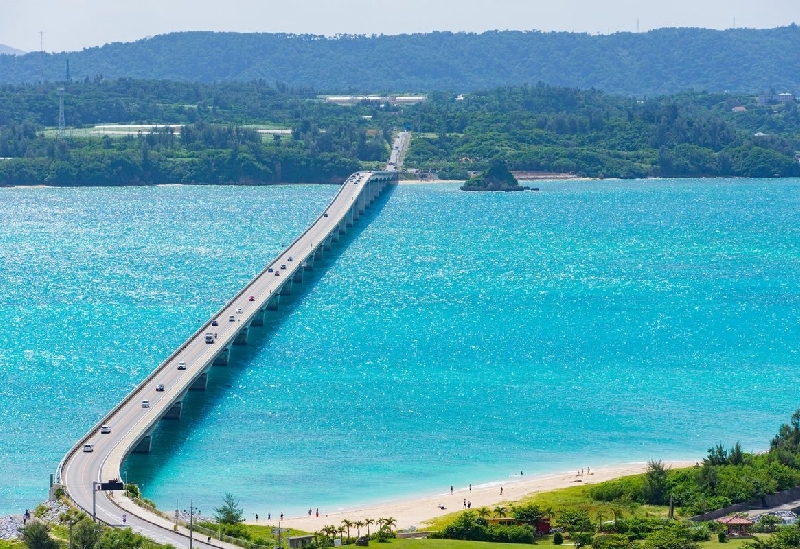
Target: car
160	387
181	365
214	322
290	258
325	214
277	273
252	298
105	429
210	337
145	404
239	311
270	270
88	447
283	267
232	318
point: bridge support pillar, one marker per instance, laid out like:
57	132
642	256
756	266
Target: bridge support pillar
317	252
142	446
272	304
326	243
241	335
298	275
175	411
308	264
286	289
222	357
199	384
258	319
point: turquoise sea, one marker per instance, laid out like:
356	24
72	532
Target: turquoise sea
458	337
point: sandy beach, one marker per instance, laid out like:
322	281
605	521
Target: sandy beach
415	512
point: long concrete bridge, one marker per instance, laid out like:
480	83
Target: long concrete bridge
160	396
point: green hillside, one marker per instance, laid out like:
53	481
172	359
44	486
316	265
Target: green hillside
657	62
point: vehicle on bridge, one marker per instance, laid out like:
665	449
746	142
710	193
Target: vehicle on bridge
209	337
88	447
105	429
181	365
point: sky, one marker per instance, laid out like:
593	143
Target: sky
70	25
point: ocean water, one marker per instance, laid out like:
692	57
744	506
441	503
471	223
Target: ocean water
458	337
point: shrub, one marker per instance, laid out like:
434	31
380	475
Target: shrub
558	538
722	537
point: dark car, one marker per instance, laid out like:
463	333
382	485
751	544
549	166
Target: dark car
159	387
252	298
283	266
270	270
277	273
214	322
325	214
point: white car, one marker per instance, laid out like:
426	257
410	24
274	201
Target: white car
88	447
145	404
105	429
181	365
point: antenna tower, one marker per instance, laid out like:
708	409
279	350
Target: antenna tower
61	123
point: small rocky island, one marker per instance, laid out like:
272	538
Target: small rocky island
497	178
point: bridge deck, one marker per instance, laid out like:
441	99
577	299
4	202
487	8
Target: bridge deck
130	422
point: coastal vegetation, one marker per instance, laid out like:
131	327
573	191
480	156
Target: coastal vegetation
253	133
662	61
496	178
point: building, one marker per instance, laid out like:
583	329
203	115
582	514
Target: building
737	526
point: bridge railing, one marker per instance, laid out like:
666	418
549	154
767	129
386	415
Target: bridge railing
204	328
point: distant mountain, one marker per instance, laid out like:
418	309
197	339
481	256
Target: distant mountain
8	50
657	62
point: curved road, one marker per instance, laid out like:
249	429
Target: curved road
130	421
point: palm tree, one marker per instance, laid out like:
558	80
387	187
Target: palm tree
341	529
500	511
358	525
330	532
389	522
483	512
347	524
368	521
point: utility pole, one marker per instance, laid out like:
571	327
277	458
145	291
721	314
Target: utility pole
191	513
61	123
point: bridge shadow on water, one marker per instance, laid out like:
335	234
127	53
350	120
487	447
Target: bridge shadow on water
170	436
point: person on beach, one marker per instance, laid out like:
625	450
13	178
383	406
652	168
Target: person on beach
451	489
470	487
465	503
469	505
317	512
269	516
501	490
256	517
208	540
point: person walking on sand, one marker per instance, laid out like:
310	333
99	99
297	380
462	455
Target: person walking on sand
317	512
470	487
451	489
501	490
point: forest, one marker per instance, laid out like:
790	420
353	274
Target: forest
658	62
257	133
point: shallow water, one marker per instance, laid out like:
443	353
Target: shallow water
459	337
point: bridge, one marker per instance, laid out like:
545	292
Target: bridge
98	456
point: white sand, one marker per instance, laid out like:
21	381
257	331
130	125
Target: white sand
415	512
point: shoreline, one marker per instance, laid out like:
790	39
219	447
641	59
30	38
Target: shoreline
415	512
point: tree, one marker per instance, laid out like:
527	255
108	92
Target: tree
527	513
347	524
85	535
500	511
35	535
368	522
575	520
655	483
229	512
483	512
